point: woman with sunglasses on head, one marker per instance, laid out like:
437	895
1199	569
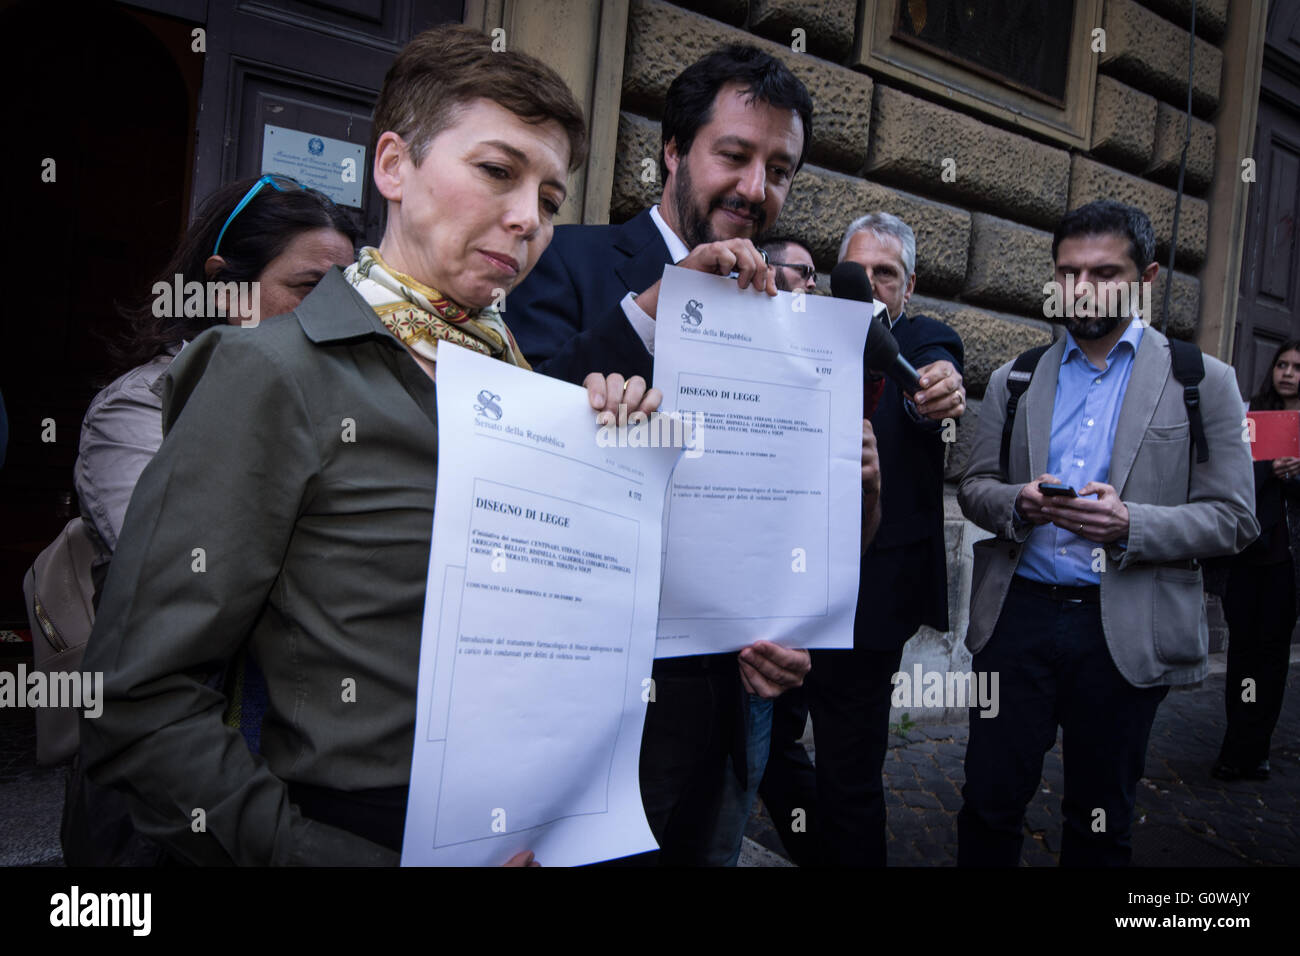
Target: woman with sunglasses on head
307	455
1260	600
270	231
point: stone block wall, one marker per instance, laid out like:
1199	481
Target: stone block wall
983	229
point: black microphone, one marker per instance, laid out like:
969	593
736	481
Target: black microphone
849	281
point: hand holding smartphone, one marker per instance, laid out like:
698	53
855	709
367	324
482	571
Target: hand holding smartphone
1056	491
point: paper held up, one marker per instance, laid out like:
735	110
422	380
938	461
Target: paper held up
763	537
539	626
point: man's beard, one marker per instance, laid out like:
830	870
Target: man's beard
697	230
1091	327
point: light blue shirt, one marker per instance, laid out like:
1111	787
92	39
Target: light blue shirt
1084	418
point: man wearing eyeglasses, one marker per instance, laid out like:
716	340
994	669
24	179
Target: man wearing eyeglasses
903	583
793	264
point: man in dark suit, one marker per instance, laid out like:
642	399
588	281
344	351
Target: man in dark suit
735	130
903	581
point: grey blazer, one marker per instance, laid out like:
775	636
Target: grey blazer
1152	605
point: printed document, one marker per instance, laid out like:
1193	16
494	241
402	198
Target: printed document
539	626
764	528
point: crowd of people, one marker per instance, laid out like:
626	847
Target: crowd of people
263	556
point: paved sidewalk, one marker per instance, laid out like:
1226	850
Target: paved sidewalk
1184	816
31	797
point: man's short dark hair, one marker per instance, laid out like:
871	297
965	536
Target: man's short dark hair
776	244
762	76
1106	217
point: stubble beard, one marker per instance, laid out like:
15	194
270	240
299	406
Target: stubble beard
698	230
1092	327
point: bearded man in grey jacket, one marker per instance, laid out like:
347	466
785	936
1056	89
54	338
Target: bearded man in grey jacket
1087	602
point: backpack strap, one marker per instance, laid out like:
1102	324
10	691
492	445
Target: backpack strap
1189	369
1018	379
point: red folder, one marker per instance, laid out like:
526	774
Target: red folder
1274	435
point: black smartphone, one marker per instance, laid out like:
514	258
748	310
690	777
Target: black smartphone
1056	491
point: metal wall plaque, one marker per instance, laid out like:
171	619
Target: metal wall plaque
334	166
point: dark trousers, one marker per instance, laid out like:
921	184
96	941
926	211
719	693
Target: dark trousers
1054	669
789	787
1260	608
97	829
379	815
848	695
693	724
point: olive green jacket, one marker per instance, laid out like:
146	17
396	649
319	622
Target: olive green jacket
289	512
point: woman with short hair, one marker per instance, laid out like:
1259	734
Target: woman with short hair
270	231
269	234
290	507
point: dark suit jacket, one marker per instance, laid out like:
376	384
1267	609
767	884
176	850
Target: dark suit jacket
904	581
566	315
567	320
1273	544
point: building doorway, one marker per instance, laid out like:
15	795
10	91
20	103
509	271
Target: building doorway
99	193
1268	309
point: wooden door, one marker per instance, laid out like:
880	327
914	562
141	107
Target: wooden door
1268	310
312	67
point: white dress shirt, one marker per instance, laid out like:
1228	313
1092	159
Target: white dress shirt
642	324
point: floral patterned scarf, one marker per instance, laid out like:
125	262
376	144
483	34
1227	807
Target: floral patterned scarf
419	315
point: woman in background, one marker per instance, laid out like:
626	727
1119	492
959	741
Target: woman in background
268	230
1260	602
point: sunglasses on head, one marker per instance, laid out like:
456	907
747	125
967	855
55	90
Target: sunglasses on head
278	183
